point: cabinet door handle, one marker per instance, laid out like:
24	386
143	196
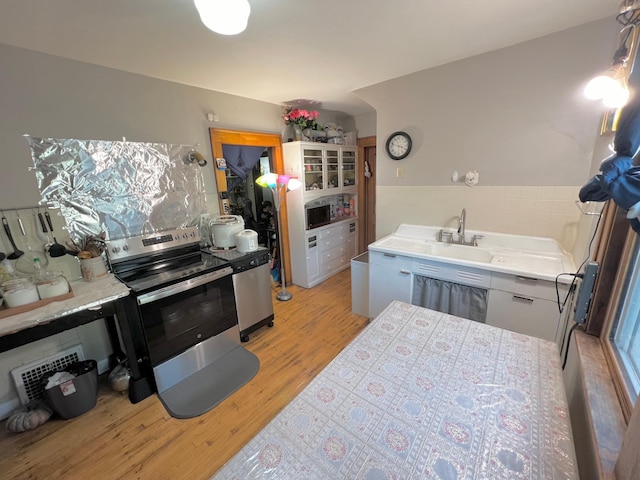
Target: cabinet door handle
389	255
520	278
523	299
405	272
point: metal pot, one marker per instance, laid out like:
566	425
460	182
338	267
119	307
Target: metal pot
247	241
224	229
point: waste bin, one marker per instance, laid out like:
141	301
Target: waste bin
360	284
77	395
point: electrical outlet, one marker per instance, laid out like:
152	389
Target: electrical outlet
399	172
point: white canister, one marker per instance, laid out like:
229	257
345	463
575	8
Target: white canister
224	229
247	241
53	284
19	291
93	268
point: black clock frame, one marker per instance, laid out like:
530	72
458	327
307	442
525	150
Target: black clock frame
404	155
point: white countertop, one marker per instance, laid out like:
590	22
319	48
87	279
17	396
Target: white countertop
87	296
537	257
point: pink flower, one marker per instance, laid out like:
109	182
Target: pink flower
303	118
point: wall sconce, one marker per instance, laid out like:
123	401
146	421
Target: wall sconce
195	157
612	86
226	17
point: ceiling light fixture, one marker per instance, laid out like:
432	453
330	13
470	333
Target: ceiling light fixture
226	17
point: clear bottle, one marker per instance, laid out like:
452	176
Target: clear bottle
38	270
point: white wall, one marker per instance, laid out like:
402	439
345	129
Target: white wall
366	124
516	115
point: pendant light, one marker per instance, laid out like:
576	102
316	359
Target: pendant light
226	17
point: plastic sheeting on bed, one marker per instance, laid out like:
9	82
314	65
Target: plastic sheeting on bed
422	394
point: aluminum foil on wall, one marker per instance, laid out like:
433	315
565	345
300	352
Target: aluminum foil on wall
120	188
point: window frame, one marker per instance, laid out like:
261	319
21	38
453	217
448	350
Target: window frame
615	248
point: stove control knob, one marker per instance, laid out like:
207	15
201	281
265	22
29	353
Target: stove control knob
115	249
184	235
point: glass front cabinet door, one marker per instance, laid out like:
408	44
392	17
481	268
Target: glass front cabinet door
313	169
348	168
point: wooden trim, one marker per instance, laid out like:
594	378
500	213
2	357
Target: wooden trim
617	286
614	229
221	136
369	219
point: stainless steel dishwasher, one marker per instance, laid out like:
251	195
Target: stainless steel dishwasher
252	286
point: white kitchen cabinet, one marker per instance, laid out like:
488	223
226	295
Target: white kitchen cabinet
518	303
322	168
390	279
328	175
526	305
313	259
352	240
524	314
326	251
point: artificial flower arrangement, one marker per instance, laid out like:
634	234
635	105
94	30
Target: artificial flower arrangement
301	117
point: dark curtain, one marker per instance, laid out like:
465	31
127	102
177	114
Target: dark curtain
240	160
459	300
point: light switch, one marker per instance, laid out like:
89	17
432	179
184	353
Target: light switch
399	172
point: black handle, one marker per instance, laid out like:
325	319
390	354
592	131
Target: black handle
46	214
44	227
5	224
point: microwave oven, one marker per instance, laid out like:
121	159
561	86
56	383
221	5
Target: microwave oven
318	216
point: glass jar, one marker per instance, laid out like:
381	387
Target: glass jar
19	291
52	284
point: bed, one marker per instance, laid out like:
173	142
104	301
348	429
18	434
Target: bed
422	394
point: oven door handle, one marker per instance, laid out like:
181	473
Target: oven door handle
183	286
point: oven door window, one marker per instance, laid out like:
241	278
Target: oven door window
177	322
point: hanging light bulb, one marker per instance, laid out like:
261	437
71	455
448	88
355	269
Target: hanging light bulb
611	87
227	17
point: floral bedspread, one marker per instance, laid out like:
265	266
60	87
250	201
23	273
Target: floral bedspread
422	394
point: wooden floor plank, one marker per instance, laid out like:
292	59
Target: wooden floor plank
117	440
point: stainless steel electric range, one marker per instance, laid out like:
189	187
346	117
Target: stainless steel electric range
187	308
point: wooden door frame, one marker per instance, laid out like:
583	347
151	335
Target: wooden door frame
220	136
363	144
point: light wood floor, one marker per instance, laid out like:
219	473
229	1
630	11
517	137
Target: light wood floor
119	440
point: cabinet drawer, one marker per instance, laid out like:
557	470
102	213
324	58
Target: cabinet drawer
335	252
330	242
527	286
522	314
390	260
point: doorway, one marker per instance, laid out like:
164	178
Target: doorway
367	191
250	198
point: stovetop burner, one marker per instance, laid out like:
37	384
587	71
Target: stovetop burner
149	262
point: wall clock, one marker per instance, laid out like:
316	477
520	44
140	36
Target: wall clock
398	145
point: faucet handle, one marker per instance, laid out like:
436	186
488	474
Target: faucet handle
475	238
446	237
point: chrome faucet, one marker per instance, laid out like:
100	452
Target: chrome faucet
461	228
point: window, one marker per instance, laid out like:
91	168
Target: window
624	335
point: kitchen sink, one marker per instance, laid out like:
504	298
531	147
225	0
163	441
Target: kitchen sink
461	252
